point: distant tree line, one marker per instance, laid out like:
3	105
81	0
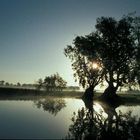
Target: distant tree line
72	88
51	83
18	84
4	83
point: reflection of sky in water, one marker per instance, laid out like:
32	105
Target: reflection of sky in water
22	119
99	109
135	109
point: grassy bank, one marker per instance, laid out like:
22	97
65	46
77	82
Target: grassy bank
11	93
127	98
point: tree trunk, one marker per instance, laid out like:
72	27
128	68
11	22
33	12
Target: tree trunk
110	92
88	95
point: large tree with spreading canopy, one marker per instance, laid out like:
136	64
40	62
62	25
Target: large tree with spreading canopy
112	47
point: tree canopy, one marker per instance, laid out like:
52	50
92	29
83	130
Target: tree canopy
135	31
52	82
85	62
113	47
117	53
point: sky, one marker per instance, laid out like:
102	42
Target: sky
34	33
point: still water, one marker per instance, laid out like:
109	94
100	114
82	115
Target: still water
45	118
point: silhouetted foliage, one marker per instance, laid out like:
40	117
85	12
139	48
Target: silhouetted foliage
39	84
84	56
2	83
7	84
135	22
52	83
52	105
113	47
92	124
118	51
18	84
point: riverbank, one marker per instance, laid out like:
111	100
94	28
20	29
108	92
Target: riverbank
33	94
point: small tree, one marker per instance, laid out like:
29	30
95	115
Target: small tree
39	84
54	82
60	82
49	83
7	84
2	83
18	84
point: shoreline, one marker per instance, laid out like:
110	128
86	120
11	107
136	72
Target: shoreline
33	94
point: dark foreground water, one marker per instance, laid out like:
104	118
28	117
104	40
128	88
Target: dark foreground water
55	117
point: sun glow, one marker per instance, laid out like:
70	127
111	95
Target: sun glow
94	65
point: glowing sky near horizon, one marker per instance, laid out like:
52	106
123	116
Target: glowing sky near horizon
34	33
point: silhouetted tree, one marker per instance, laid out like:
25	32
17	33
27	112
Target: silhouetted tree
52	82
117	53
60	83
18	84
39	84
85	62
112	46
7	84
2	83
49	83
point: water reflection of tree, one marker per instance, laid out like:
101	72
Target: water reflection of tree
52	105
90	123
